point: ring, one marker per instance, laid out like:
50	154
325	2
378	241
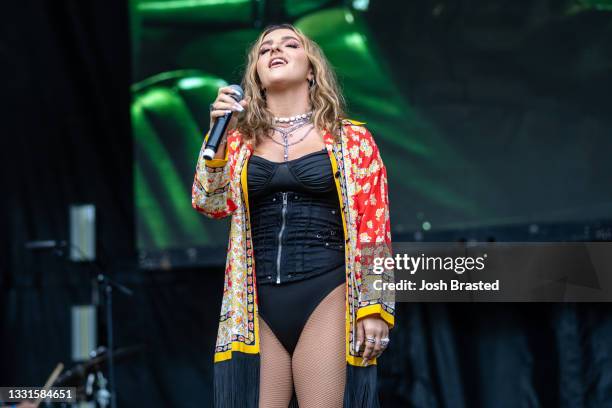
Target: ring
371	340
384	342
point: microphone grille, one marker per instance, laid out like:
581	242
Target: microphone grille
239	89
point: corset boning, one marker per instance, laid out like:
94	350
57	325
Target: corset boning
295	218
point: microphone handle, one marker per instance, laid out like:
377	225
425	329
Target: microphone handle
216	134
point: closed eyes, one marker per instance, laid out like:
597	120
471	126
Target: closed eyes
264	50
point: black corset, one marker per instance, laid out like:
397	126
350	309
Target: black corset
295	218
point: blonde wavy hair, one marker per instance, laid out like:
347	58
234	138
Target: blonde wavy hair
325	97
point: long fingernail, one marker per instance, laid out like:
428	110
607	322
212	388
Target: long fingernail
365	362
239	107
357	345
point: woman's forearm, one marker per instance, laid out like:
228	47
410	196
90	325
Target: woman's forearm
220	153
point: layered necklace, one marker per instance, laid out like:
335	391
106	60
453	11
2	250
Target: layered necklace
293	123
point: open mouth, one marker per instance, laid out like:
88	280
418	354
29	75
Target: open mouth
277	62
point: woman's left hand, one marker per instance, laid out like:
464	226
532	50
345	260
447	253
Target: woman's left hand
371	327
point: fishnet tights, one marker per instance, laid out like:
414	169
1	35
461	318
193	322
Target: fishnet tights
318	365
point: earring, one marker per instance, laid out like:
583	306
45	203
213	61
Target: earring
311	82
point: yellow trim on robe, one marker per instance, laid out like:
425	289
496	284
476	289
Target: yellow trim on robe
215	162
245	194
347	325
236	346
376	309
243	184
339	191
356	122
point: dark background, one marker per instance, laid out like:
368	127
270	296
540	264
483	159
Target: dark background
67	139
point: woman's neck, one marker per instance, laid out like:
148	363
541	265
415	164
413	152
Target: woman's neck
288	102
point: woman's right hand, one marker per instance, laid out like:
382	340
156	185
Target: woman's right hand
224	103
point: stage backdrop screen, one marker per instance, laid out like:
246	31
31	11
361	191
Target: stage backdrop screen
484	116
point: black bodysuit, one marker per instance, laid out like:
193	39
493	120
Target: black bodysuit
298	240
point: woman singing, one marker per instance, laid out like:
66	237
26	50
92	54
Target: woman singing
300	317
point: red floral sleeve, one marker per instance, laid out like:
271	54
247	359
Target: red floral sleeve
374	230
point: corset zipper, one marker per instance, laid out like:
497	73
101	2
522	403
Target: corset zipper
280	238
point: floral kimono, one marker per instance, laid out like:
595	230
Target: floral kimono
220	190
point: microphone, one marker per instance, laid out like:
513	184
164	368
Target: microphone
220	126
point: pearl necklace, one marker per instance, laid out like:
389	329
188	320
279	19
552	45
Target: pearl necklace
293	119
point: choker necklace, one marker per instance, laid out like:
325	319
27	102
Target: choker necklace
287	132
293	119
